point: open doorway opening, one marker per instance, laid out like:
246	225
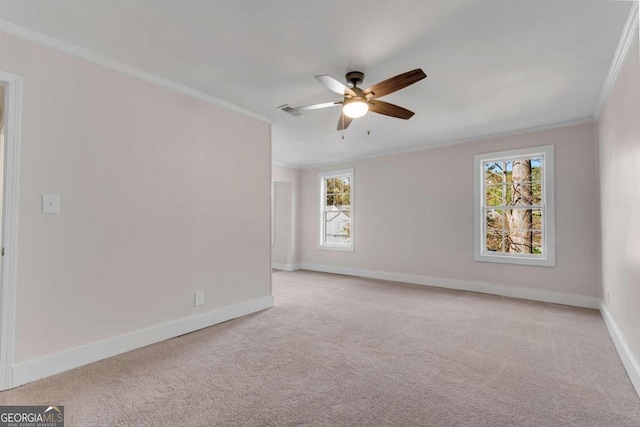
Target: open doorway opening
282	226
10	108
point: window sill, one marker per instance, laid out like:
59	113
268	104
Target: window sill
336	248
518	260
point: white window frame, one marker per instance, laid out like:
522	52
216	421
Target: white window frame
548	257
322	176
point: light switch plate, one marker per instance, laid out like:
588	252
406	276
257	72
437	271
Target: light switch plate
199	299
50	203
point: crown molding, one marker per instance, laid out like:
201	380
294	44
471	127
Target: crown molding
87	55
285	165
618	58
446	143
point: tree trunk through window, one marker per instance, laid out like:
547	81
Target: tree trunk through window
520	238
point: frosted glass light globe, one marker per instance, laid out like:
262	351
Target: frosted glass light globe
355	108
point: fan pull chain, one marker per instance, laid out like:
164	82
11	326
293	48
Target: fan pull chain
342	117
368	123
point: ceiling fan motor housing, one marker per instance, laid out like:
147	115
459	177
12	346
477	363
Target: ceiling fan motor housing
355	77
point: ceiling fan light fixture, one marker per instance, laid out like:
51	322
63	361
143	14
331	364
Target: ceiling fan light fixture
357	102
356	107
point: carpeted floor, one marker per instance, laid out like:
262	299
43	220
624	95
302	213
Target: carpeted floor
339	350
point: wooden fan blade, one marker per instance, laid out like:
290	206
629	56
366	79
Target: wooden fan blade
335	86
394	83
296	111
391	110
344	122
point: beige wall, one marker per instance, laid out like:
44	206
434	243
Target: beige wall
414	214
619	130
161	195
287	247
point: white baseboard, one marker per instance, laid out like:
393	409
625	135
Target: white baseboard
49	365
628	360
285	267
464	285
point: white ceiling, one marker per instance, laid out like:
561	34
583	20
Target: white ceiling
494	66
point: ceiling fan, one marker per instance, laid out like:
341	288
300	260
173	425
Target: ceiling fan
357	102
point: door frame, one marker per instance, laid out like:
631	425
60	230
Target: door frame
13	111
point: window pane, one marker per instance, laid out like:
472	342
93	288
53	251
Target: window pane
537	243
495	240
521	194
496	218
337	226
338	191
509	194
514	231
494	195
536	193
518	241
523	219
513	183
494	173
536	169
536	219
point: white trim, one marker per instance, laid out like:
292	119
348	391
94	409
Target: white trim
618	58
87	55
630	363
463	285
69	359
285	165
271	183
322	176
285	267
337	247
13	112
446	143
548	259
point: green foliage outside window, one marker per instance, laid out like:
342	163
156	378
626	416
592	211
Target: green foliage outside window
511	187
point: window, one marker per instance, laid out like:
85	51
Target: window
336	210
514	207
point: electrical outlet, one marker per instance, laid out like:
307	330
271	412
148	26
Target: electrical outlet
199	300
50	203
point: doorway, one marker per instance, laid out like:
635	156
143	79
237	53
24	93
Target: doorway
282	231
2	109
10	111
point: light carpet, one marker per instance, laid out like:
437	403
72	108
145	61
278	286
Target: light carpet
347	351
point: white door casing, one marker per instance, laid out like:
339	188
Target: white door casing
13	108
